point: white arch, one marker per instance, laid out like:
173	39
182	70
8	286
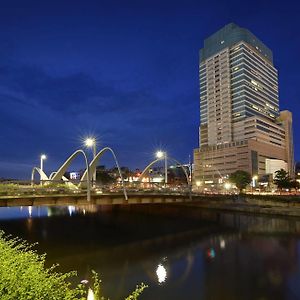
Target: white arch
58	175
159	159
51	175
43	176
93	166
183	169
146	169
177	162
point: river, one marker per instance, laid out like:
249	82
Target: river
180	253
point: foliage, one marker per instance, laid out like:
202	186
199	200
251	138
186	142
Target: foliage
104	178
23	276
137	292
8	189
240	178
12	189
295	184
282	179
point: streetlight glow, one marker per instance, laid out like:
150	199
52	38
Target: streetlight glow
254	179
90	141
227	186
43	157
160	154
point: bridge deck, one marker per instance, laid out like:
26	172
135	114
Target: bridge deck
102	199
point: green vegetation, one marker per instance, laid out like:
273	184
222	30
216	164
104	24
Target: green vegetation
23	276
13	189
283	181
240	178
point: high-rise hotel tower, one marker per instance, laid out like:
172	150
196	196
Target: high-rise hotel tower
241	127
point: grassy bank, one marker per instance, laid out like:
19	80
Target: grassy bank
278	198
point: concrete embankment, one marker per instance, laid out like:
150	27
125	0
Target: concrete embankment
258	204
254	204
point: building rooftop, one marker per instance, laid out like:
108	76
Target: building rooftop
228	36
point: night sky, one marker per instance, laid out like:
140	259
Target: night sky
125	71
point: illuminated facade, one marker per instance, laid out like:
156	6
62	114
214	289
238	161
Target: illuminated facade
241	125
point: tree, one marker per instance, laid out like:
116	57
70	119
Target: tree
282	179
295	185
104	177
240	178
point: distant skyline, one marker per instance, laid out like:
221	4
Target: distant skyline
126	72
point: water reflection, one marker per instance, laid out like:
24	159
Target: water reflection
21	212
222	244
90	295
10	213
30	211
161	273
207	256
71	210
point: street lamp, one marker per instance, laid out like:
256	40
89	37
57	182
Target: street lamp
90	142
254	178
227	186
161	154
198	184
43	157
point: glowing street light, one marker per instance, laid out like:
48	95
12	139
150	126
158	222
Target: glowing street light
254	178
227	186
160	154
43	157
90	142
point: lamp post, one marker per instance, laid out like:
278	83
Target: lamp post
254	178
43	157
90	142
227	187
161	154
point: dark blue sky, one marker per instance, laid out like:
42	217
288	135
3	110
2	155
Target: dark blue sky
126	71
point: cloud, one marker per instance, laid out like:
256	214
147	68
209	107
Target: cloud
42	112
75	93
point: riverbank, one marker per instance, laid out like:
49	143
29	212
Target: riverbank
281	205
252	204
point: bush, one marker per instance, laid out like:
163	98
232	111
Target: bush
23	276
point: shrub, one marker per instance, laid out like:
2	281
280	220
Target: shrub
23	276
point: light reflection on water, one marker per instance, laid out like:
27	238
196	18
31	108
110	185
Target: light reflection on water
211	256
9	213
161	273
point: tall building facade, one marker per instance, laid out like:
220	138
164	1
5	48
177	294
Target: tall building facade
241	126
